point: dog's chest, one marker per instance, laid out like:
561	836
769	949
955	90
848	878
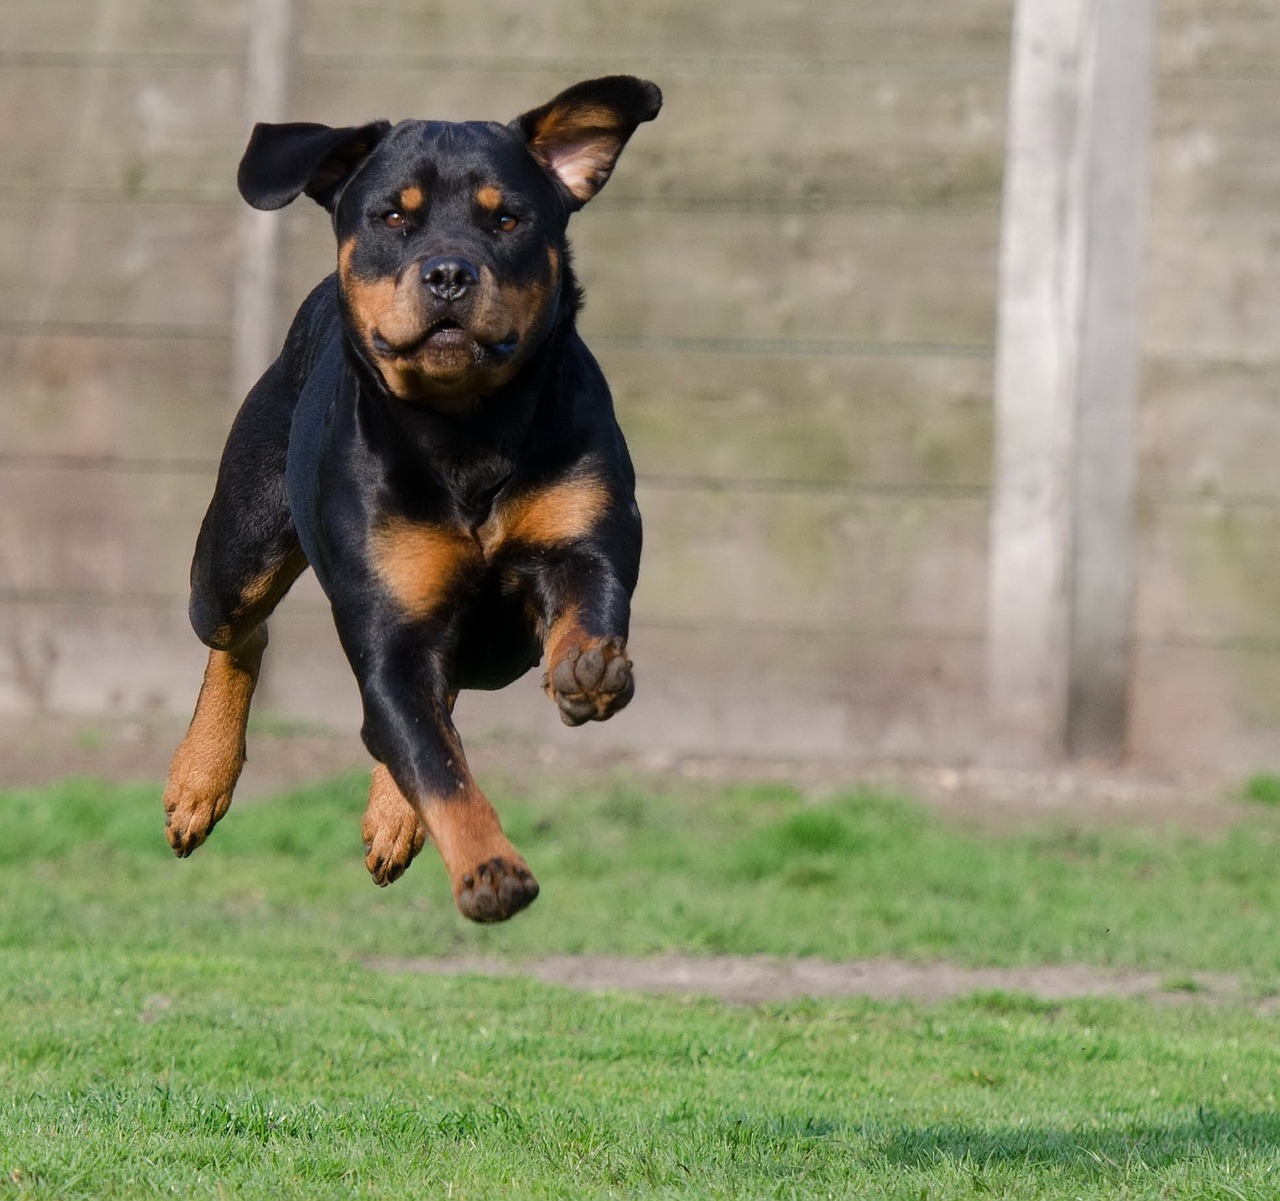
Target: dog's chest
422	564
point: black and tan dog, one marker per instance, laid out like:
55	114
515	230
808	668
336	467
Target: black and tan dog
438	444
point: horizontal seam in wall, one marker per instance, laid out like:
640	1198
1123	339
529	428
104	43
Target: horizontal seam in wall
669	483
1165	68
154	602
795	347
672	202
13	327
909	489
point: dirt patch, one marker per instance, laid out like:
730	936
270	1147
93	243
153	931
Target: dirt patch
757	979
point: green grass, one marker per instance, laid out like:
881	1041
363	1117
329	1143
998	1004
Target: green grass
208	1028
1263	787
625	868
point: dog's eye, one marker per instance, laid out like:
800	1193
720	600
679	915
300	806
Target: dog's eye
393	220
506	223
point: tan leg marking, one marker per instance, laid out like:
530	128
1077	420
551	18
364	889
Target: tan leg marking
392	830
489	878
207	763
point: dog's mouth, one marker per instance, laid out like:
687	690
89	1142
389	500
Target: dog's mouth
448	338
444	333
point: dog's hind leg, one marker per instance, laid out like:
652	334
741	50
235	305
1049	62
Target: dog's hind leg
392	829
207	763
247	556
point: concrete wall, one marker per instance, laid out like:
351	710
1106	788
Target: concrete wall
791	284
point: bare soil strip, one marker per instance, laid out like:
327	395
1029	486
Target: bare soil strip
756	979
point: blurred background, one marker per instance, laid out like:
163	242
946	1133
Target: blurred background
793	283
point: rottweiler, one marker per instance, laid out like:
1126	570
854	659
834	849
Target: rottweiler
438	444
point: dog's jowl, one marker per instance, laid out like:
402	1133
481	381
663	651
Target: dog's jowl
436	442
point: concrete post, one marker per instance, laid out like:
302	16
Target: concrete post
1068	346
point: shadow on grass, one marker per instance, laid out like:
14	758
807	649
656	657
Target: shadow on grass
1204	1134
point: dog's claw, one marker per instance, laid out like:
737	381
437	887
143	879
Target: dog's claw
393	835
191	812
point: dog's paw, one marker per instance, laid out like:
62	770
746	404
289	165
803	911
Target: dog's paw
593	681
391	841
192	807
495	890
392	829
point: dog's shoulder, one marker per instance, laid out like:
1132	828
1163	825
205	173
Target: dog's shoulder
316	326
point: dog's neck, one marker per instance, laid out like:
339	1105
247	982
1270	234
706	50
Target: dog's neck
471	454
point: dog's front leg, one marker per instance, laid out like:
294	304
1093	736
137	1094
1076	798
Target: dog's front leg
585	619
421	766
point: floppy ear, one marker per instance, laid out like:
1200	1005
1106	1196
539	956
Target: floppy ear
283	161
579	135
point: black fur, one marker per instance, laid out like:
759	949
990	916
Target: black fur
435	440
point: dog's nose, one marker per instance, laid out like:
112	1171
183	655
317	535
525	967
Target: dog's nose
449	278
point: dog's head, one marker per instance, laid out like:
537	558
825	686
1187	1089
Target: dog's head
452	259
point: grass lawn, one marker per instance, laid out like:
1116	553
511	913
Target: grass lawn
209	1028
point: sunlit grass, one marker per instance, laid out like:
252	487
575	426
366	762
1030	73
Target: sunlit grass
210	1028
626	868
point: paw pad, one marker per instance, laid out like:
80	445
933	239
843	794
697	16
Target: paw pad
591	683
496	890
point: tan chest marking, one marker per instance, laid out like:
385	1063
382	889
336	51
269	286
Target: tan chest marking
419	565
553	516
